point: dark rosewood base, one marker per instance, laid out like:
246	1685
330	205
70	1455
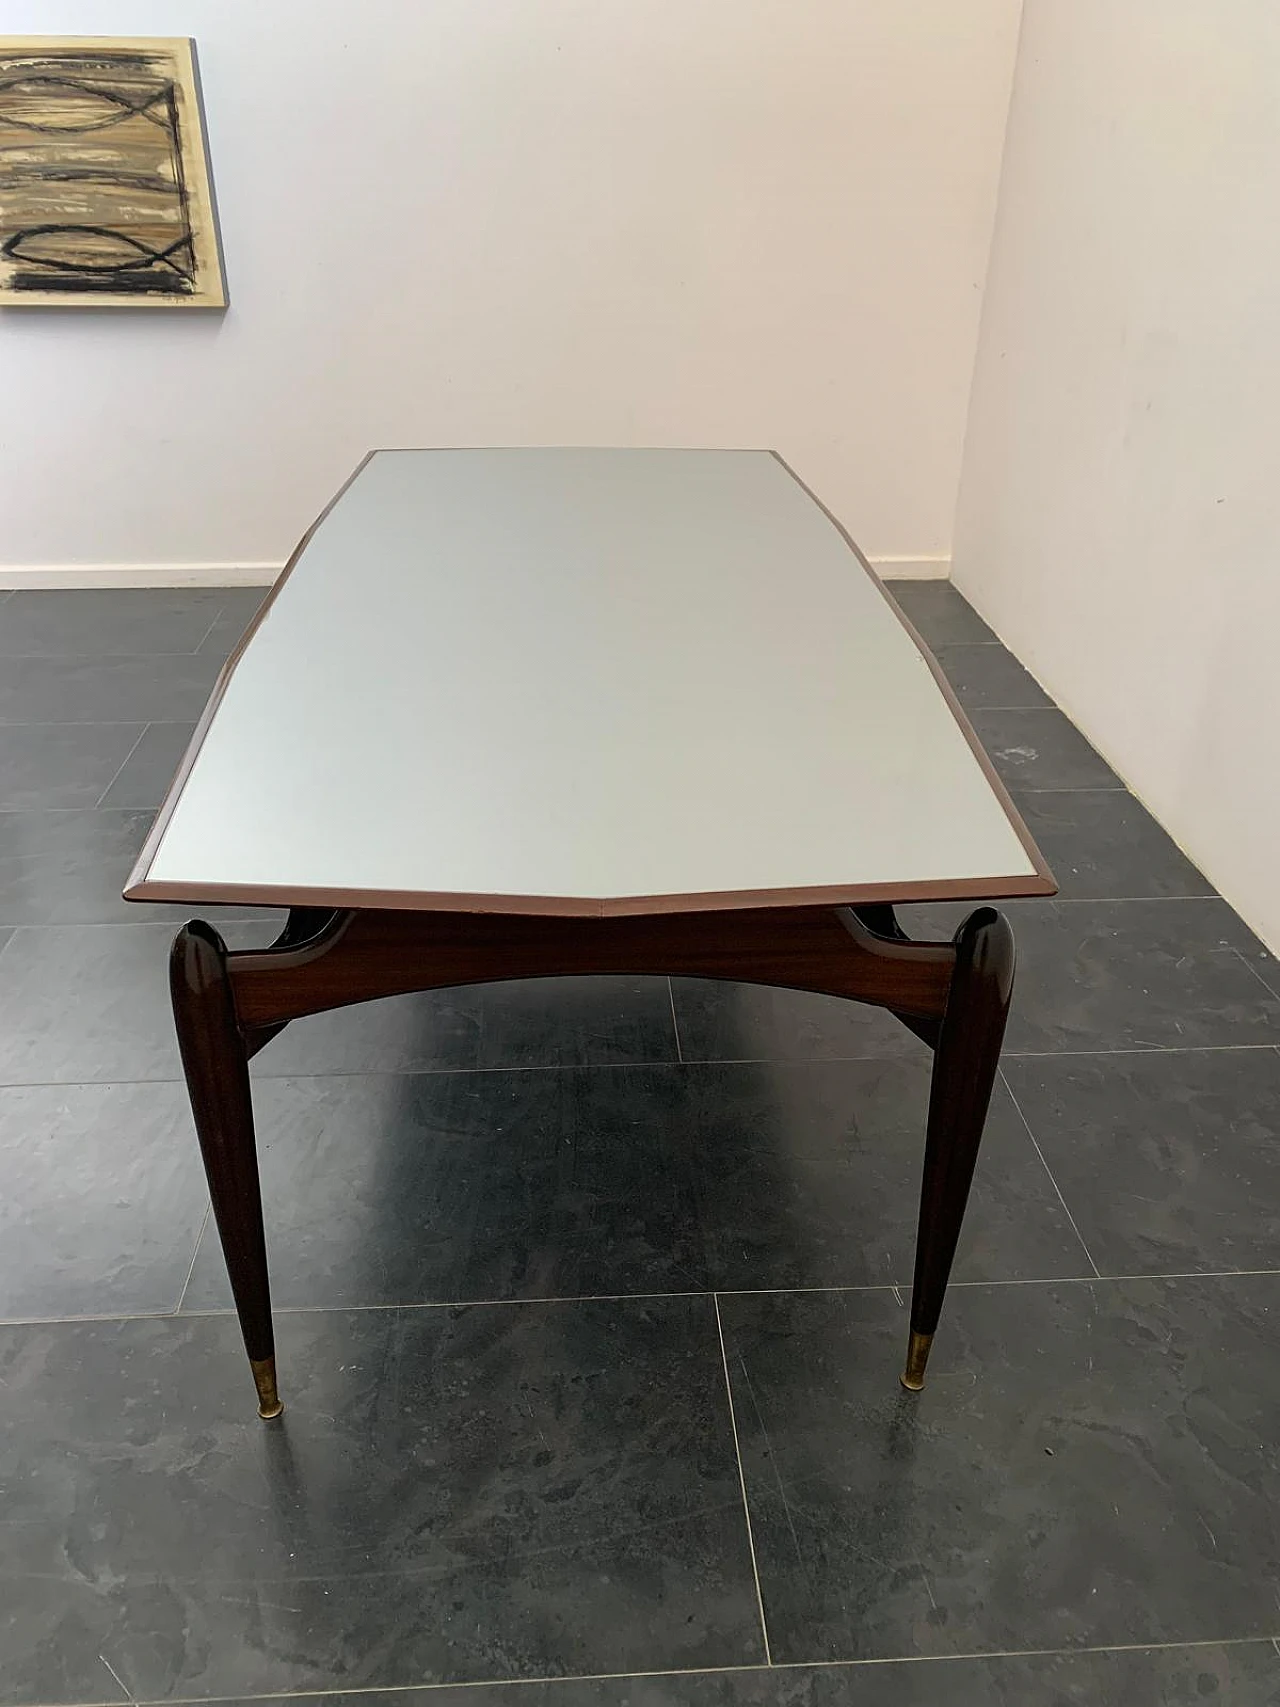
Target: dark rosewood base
227	1006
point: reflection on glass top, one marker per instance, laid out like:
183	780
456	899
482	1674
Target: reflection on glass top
581	674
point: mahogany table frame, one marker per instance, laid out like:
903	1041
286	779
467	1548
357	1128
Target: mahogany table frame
229	1004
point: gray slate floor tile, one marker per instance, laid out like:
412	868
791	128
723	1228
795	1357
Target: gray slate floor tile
988	677
1169	974
233	620
69	867
101	1199
1034	749
240	604
1105	845
104	622
1105	975
809	1175
151	767
172	686
1170	1163
61	764
1090	1464
508	1491
91	1004
549	1022
722	1021
939	613
1242	1674
456	1186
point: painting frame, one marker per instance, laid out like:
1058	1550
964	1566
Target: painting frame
111	203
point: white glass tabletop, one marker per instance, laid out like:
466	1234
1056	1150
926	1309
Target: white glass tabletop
581	682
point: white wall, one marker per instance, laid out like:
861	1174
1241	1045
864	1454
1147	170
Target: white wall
727	222
1119	515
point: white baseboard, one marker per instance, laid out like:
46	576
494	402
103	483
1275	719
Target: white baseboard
937	568
68	575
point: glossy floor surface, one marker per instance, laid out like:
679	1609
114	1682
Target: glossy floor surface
591	1292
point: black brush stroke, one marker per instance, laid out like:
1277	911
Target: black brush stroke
11	250
180	174
12	176
101	59
128	108
148	283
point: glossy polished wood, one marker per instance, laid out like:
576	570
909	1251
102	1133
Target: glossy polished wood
360	956
216	1063
229	1005
964	1071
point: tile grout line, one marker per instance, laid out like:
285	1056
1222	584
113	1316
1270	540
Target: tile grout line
93	722
115	779
581	1066
675	1023
1151	1049
374	1691
446	1304
461	1689
1123	900
742	1481
119	1681
9	724
1048	1170
87	658
1118	1279
53	811
214	1312
87	722
1239	954
80	1321
1022	1653
195	652
177	1309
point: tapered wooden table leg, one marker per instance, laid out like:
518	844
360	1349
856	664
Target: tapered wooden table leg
216	1065
964	1070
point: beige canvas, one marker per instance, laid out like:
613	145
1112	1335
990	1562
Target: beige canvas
105	196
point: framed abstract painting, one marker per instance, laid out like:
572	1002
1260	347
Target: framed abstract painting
105	192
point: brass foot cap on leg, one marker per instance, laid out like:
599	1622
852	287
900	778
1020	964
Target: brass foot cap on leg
912	1376
264	1379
